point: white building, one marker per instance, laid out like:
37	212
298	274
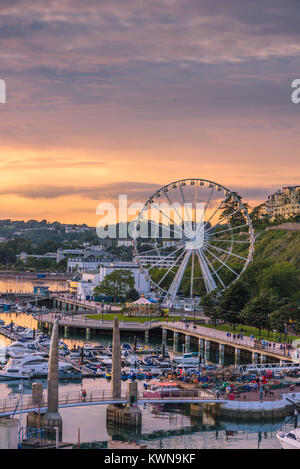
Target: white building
90	279
160	261
24	256
85	288
141	282
125	242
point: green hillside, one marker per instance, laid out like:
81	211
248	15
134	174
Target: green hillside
278	246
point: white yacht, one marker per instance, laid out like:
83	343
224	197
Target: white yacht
21	347
289	440
187	359
28	366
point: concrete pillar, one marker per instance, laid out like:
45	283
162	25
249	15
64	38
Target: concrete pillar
116	361
147	336
201	346
87	333
37	393
237	355
207	350
9	433
221	354
66	329
164	336
187	343
254	358
175	341
263	359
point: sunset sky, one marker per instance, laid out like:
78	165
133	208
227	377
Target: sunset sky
123	96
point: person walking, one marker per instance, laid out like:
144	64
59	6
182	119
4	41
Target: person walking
83	394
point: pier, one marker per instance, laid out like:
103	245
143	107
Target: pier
206	336
10	407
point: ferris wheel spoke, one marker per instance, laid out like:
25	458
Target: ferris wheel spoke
157	226
216	211
170	219
155	250
214	271
224	218
231	228
172	266
209	199
220	260
227	252
192	275
182	194
163	258
209	281
212	240
171	203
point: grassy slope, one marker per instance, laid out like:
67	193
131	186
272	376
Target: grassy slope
278	246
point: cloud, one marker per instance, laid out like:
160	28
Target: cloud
135	191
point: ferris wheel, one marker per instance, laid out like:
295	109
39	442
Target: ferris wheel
192	237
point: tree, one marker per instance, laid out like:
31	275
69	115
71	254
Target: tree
230	205
233	301
210	305
281	278
132	295
259	216
285	316
116	284
256	312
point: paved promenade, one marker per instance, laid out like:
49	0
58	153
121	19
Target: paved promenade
83	322
223	338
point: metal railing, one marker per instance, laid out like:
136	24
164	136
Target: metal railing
9	405
220	337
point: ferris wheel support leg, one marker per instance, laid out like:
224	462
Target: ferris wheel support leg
209	281
172	292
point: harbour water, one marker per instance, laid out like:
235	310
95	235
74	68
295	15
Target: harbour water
162	427
20	284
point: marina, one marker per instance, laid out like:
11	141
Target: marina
164	378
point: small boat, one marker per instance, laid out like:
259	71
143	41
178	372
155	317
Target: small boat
289	440
162	389
126	347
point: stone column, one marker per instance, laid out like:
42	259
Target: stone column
51	418
221	354
237	354
53	371
147	336
116	361
87	333
66	331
